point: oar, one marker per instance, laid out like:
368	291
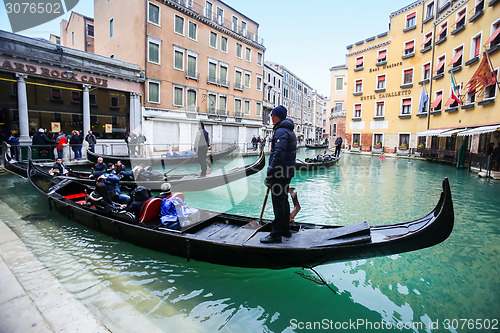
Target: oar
178	165
259	221
321	152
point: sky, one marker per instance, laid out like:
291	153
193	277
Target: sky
307	37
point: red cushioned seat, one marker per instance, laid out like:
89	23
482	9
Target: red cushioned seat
150	209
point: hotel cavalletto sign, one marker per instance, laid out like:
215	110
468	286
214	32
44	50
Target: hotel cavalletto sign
50	73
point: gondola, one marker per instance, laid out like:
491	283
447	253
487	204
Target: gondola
157	160
233	240
184	183
317	146
18	167
312	164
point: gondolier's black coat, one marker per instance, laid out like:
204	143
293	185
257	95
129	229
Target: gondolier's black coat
283	152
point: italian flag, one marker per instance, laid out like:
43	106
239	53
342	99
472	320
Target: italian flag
455	93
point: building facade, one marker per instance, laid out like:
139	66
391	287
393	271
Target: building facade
338	101
389	74
78	32
44	85
273	95
320	117
203	61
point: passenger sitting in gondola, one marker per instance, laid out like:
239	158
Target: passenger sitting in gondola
140	195
59	169
319	158
327	157
99	168
112	180
165	191
100	197
122	172
144	173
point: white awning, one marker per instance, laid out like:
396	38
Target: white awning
433	132
451	132
480	130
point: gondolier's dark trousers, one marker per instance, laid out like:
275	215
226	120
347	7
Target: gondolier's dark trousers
337	150
202	159
281	207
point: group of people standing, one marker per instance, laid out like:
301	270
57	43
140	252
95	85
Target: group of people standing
258	140
136	144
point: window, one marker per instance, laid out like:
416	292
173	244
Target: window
406	106
476	46
408	76
409	47
359	86
179	25
235	23
379	109
426	71
429	10
339	83
209	10
213	40
359	63
490	91
428	40
191	66
438	97
154	50
115	102
153	13
220	15
191	99
456	62
411	20
452	102
212	103
258	84
243	28
378	139
460	21
443	29
258	109
248	54
223	44
223	104
338	106
382	56
470	97
479	7
404	140
72	38
179	60
153	92
76	96
247	107
440	65
494	39
259	58
247	80
357	110
223	75
237	80
356	138
381	82
237	107
90	30
111	28
178	96
192	30
239	50
212	72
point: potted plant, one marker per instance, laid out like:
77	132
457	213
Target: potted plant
355	144
403	146
378	145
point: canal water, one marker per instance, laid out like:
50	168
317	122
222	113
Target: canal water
451	287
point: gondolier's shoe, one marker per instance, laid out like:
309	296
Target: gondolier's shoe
287	234
269	239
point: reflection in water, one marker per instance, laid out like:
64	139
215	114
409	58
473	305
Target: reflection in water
133	289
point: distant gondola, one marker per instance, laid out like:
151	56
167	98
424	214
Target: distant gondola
191	182
234	240
18	167
317	146
157	160
313	164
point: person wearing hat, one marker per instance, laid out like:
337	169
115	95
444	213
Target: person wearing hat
40	142
201	145
280	171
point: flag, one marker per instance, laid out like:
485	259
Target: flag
423	101
455	90
483	76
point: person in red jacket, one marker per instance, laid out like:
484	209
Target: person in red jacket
61	140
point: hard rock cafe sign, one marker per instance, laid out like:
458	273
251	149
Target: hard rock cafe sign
51	73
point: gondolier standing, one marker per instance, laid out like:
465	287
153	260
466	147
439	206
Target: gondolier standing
280	172
338	146
201	145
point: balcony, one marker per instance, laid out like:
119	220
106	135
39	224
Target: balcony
217	82
192	75
238	86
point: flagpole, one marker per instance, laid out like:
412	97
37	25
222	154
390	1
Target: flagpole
491	68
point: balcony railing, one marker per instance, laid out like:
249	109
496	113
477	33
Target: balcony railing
238	86
211	15
218	82
192	75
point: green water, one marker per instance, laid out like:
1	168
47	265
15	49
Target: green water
131	289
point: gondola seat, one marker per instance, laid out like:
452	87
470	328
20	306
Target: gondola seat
150	210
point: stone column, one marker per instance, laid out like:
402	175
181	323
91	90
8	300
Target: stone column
86	109
135	112
22	100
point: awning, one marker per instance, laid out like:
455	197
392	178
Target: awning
412	15
480	130
359	62
460	18
450	101
492	37
438	67
407	101
427	39
432	132
443	28
456	57
409	45
451	132
381	55
437	101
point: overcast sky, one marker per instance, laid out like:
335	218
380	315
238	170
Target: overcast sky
307	37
